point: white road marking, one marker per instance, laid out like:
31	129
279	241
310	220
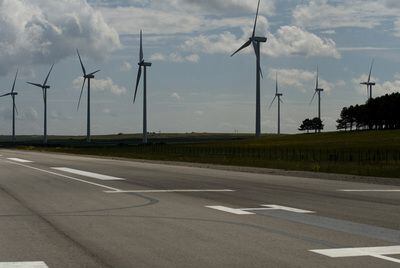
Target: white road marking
32	264
168	191
20	160
245	211
372	190
88	174
67	177
231	210
376	252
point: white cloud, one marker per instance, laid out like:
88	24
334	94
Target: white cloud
44	31
199	113
175	57
126	66
302	80
176	96
101	85
386	87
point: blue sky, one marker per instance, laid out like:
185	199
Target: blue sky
193	84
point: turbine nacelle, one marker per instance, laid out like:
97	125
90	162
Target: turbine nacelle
259	39
145	64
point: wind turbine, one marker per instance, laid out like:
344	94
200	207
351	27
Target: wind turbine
13	94
369	84
318	91
142	64
44	88
277	96
255	41
87	77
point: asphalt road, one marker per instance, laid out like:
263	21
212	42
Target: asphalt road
71	211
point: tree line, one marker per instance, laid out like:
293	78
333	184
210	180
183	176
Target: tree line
377	114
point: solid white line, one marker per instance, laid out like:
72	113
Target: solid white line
231	210
373	190
20	160
67	177
32	264
88	174
167	191
386	258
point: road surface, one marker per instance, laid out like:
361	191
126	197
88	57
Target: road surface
71	211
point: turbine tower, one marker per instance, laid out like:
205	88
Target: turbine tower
142	64
256	41
318	92
44	88
13	94
87	77
278	96
369	84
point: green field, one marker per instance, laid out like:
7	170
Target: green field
369	153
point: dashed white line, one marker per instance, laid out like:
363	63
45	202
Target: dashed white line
32	264
20	160
372	190
247	211
376	252
169	191
88	174
67	177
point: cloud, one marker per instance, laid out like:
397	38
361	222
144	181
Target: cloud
101	85
175	57
46	31
126	66
380	89
176	96
302	80
368	14
287	41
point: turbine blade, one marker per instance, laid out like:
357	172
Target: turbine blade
276	82
7	94
15	108
315	93
272	103
94	72
47	77
137	82
370	71
261	73
255	22
15	80
80	60
36	85
248	43
141	47
80	96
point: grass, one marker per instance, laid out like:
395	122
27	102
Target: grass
367	153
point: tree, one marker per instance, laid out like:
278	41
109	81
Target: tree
311	124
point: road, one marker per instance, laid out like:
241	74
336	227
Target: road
71	211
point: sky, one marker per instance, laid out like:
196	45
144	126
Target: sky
194	85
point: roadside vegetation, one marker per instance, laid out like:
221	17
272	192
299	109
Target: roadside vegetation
367	153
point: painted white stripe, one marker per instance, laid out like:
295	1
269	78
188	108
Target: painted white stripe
373	190
295	210
68	177
33	264
168	191
376	252
231	210
88	174
20	160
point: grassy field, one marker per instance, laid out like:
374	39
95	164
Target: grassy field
369	153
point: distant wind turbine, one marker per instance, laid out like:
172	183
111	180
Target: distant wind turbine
255	41
142	64
13	94
44	88
87	77
277	96
369	84
318	91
